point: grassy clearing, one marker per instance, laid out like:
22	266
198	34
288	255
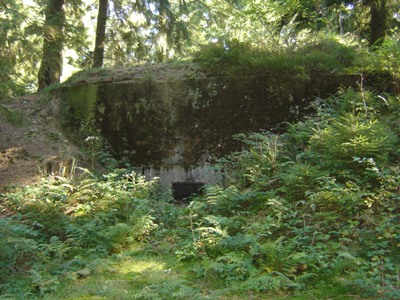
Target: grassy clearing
120	277
135	273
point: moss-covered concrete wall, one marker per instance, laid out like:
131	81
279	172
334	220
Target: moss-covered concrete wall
191	121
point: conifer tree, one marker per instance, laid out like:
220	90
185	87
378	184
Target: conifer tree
98	55
53	39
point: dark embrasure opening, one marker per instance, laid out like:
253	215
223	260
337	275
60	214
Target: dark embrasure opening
182	191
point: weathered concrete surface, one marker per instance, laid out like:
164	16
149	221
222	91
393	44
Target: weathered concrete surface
206	174
190	121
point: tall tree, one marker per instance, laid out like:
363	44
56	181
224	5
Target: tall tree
379	12
51	65
376	16
139	30
98	55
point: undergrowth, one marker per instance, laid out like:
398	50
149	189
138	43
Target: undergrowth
58	226
326	55
310	213
318	55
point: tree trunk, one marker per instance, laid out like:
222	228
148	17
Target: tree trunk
51	65
98	55
379	22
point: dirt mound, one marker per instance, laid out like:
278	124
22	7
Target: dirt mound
32	143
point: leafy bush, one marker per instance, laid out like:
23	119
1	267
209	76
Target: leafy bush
350	137
384	59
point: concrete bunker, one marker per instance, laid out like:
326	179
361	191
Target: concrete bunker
176	128
184	181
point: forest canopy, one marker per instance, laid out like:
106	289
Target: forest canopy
43	41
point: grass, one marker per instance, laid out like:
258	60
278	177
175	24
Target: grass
328	55
124	276
137	273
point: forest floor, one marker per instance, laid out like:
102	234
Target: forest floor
137	273
31	141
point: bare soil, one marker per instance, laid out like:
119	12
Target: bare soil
31	141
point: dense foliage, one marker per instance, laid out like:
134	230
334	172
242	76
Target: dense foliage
316	206
58	227
43	40
313	211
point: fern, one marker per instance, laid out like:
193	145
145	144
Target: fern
175	288
262	283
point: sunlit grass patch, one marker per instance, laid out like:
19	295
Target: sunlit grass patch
125	276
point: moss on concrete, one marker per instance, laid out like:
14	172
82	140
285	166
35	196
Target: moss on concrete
190	121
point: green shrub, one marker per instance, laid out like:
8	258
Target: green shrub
297	179
343	144
323	55
385	59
